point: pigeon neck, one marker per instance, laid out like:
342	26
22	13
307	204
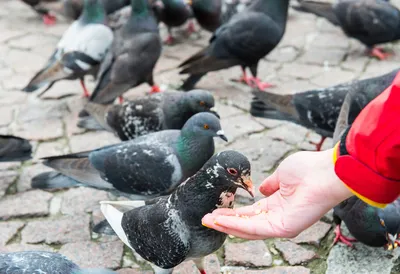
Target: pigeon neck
139	8
194	150
93	12
276	9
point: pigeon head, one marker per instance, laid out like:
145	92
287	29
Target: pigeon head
389	218
204	124
200	101
234	169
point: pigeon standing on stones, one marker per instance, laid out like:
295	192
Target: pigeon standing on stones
48	19
166	110
245	39
319	109
80	50
133	55
371	22
148	166
14	149
369	225
168	231
41	262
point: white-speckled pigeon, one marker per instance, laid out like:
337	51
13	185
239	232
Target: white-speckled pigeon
319	109
41	262
166	110
168	230
14	149
148	166
79	52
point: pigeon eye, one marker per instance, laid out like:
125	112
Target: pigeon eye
206	126
232	171
382	223
202	103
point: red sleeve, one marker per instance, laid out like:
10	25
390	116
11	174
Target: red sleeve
367	159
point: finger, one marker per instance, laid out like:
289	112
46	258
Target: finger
208	221
270	185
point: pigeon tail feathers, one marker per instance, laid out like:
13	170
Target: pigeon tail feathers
320	9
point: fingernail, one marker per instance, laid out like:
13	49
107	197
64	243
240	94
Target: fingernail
203	224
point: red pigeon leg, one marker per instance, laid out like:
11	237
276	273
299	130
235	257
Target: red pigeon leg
49	20
257	83
190	27
202	271
155	89
244	78
379	53
121	99
85	91
341	238
169	40
318	145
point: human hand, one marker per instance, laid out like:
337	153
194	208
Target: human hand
301	190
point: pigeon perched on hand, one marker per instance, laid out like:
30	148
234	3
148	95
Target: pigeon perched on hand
245	39
146	167
36	262
14	149
369	225
166	110
168	231
79	52
371	22
133	55
319	109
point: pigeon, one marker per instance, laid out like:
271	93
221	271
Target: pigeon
231	7
168	230
208	13
318	109
80	50
36	5
242	41
14	149
166	110
146	167
133	55
173	13
37	262
369	225
371	22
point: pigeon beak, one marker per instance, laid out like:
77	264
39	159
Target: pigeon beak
221	134
248	185
214	111
188	2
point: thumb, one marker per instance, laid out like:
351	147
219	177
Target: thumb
270	185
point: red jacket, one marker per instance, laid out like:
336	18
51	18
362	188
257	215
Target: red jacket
367	159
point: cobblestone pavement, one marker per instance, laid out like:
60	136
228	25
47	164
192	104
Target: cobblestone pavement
313	54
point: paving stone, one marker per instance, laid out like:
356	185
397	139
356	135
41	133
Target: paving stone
285	133
329	215
25	247
333	76
30	41
361	260
6	114
10	165
48	129
39	110
51	149
7	178
227	110
188	267
20	205
283	54
57	231
376	68
92	140
331	40
313	235
25	179
133	271
321	56
303	71
211	264
6	35
82	199
8	98
293	253
240	125
275	270
93	255
8	230
24	61
251	254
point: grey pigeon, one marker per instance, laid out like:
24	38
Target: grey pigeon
242	41
372	226
372	22
166	110
148	166
167	231
79	52
14	149
42	262
133	55
319	109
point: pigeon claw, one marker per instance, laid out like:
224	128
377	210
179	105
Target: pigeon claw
379	53
257	83
318	145
49	20
202	271
170	40
190	28
85	91
341	238
155	89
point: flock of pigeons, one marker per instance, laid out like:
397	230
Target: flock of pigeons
166	166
